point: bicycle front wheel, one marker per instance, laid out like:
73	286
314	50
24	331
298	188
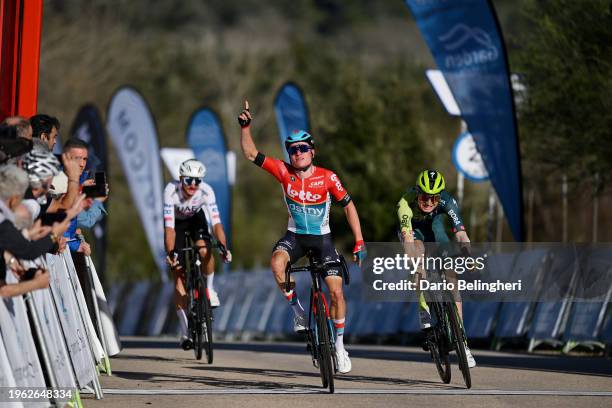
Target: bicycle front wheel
207	330
459	341
324	345
438	345
198	334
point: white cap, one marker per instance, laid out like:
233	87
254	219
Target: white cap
59	184
33	207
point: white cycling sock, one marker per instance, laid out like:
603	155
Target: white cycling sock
183	321
339	325
209	281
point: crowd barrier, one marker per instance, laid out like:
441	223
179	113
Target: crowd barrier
253	308
49	340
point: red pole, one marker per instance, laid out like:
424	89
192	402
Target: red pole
20	28
31	25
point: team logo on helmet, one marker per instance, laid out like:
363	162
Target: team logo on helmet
430	182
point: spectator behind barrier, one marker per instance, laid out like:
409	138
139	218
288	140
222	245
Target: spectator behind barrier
12	147
78	150
42	166
13	245
21	124
79	249
45	128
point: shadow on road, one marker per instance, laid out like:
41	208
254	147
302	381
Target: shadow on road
596	366
209	377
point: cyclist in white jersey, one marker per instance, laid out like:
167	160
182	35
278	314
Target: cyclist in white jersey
189	204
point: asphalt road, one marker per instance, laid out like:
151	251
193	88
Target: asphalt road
154	372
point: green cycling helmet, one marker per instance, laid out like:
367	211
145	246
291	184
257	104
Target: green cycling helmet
299	136
430	182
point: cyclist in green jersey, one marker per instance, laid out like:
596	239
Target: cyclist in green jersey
421	212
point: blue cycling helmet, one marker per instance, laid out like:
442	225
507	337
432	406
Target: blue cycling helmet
299	136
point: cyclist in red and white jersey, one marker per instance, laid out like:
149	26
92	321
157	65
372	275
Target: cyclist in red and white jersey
189	205
308	192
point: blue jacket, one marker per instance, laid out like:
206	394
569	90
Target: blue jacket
89	218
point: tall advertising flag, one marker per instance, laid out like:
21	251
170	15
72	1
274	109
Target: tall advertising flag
466	42
205	137
291	112
88	127
132	130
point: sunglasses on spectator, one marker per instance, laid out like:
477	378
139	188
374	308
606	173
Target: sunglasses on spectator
303	148
191	180
434	198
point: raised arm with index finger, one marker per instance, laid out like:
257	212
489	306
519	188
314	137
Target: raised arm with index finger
246	141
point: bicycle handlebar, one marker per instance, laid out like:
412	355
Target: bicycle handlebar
218	245
316	268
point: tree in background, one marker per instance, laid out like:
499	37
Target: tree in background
567	65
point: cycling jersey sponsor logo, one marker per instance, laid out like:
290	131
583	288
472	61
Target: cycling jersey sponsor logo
302	195
292	178
298	209
333	272
188	209
336	180
319	183
454	217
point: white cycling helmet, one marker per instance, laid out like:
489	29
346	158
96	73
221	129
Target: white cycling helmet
40	165
192	168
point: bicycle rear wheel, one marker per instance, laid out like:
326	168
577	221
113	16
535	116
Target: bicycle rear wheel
459	342
438	345
324	344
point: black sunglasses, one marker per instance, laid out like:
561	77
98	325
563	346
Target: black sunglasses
191	180
303	148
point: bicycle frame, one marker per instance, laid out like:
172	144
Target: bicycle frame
200	312
315	292
322	349
447	333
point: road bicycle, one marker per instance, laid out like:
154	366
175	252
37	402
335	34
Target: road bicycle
320	332
446	333
200	312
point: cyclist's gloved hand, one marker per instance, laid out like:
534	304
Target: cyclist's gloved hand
359	252
172	259
245	116
228	256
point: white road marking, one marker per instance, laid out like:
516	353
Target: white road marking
350	391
